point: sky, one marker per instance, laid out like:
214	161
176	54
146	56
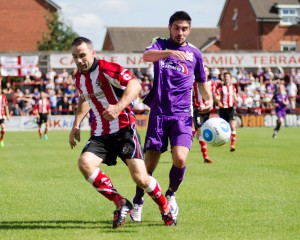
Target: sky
90	18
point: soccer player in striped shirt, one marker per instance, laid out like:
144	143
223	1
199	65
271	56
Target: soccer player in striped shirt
200	117
4	114
226	98
43	112
109	90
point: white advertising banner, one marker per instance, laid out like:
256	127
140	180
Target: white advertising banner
129	60
18	65
61	122
282	59
216	59
57	122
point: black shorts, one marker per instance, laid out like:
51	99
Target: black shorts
199	118
227	113
43	118
125	144
2	120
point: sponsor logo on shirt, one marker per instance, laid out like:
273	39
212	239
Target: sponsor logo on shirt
96	95
176	66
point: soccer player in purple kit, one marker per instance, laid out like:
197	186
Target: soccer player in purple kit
176	64
280	101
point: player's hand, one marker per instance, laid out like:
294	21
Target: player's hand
207	108
111	112
181	55
220	105
74	135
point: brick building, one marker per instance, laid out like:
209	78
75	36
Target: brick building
136	39
266	25
23	23
255	25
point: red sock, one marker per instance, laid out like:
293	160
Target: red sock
103	185
40	133
194	133
2	135
233	138
203	149
155	193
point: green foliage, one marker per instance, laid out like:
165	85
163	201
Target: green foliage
59	37
252	193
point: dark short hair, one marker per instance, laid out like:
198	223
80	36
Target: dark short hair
180	15
225	73
79	40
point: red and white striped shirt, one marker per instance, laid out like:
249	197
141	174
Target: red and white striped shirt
3	105
104	85
43	106
227	95
198	100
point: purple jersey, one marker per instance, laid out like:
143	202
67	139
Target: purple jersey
280	99
173	79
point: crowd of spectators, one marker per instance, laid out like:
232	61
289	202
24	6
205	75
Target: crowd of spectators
256	88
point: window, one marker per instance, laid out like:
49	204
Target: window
235	19
289	14
288	46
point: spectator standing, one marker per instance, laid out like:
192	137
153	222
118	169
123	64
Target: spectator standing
27	82
292	92
65	106
53	101
36	95
51	74
16	111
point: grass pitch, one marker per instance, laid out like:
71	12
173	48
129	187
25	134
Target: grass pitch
252	193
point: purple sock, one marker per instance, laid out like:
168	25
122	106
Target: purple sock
139	194
176	176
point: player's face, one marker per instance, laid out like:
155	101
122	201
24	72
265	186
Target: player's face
227	78
83	56
179	31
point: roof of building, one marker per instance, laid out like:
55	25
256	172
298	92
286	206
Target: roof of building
136	39
264	9
53	4
267	8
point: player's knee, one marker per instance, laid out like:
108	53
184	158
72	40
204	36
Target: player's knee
179	161
84	165
141	180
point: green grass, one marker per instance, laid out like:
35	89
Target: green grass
252	193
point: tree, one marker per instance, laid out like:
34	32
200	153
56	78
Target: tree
59	37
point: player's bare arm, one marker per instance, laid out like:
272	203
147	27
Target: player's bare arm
82	110
156	55
7	112
205	91
131	92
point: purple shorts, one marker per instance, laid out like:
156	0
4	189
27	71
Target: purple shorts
280	113
161	129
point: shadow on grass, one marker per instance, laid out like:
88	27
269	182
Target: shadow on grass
71	224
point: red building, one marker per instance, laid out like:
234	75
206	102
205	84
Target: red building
23	23
266	25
